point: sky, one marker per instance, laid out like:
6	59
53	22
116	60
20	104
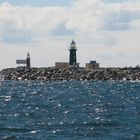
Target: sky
107	31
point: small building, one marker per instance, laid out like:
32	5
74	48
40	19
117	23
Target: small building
24	62
62	65
21	62
92	65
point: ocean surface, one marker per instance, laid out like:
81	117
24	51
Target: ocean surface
69	110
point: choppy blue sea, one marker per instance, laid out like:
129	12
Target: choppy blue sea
74	110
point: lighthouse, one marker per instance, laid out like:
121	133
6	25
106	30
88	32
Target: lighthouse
28	64
72	57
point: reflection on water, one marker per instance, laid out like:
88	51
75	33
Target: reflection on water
74	110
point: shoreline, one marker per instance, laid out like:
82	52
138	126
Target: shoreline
53	74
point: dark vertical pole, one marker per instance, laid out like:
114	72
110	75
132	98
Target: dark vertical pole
28	63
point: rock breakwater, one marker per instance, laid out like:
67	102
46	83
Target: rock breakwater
22	73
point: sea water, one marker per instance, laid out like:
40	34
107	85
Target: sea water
69	110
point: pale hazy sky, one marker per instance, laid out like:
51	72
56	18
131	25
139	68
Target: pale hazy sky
105	30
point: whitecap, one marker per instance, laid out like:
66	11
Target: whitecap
54	131
61	123
34	92
16	115
57	130
33	132
7	98
97	110
49	123
84	122
59	105
97	118
66	111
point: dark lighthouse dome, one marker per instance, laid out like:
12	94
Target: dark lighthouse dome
73	45
73	42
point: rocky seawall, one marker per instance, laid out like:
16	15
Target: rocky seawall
21	73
